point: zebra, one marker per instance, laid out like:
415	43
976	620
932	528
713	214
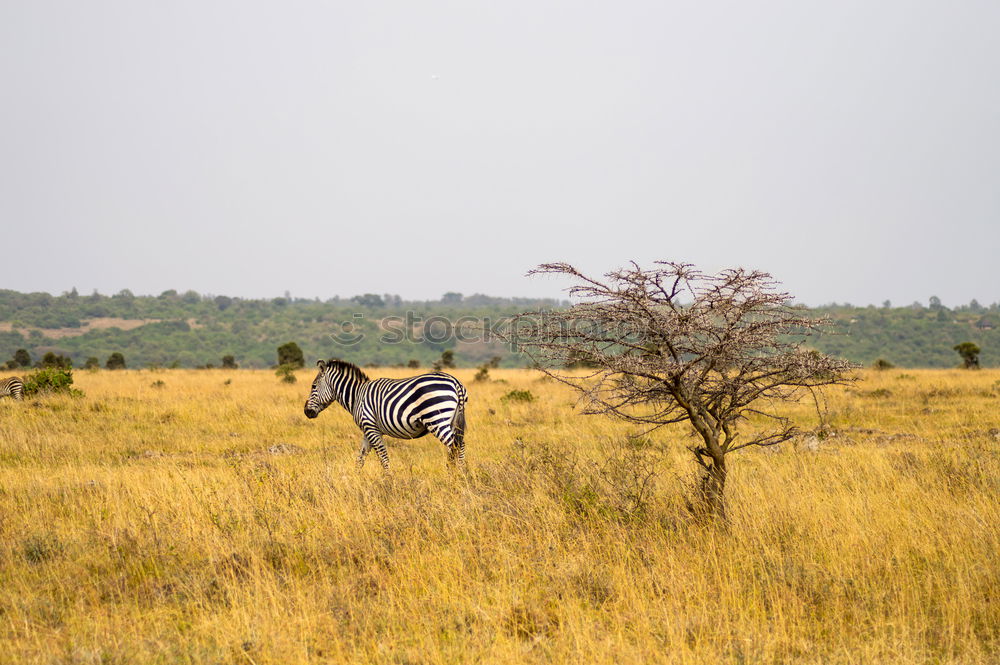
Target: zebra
400	408
13	387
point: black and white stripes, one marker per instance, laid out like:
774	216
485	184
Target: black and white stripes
400	408
12	387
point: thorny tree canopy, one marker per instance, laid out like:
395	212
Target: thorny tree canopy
670	344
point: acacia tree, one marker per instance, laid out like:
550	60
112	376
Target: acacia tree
671	344
290	354
970	354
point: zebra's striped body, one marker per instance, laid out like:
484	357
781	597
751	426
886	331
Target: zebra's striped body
12	387
400	408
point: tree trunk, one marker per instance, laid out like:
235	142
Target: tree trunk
713	485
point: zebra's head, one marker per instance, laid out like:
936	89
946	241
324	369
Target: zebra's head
321	395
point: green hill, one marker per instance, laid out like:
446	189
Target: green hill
192	330
913	336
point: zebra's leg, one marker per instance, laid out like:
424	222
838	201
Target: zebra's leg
365	447
374	440
459	426
452	435
444	433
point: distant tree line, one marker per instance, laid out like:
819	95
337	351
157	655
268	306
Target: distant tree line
188	329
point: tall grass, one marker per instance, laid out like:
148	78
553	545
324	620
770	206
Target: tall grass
205	519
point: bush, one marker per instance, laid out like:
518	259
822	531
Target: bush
970	354
50	380
484	370
413	363
229	362
92	363
290	354
447	360
518	396
115	361
50	359
286	372
22	358
881	365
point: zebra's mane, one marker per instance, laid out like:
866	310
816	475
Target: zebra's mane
350	369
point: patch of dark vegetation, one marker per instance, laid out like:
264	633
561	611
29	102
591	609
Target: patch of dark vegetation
41	548
286	373
518	396
50	380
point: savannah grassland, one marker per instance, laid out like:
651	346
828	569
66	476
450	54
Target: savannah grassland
204	519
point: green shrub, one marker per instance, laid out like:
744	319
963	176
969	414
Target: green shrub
286	372
22	358
447	360
50	359
50	380
92	363
290	354
518	396
484	370
115	361
970	354
882	364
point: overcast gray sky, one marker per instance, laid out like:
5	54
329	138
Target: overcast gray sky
850	148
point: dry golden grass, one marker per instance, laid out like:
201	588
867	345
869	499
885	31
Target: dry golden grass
207	522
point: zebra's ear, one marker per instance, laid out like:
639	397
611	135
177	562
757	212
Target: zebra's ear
321	364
